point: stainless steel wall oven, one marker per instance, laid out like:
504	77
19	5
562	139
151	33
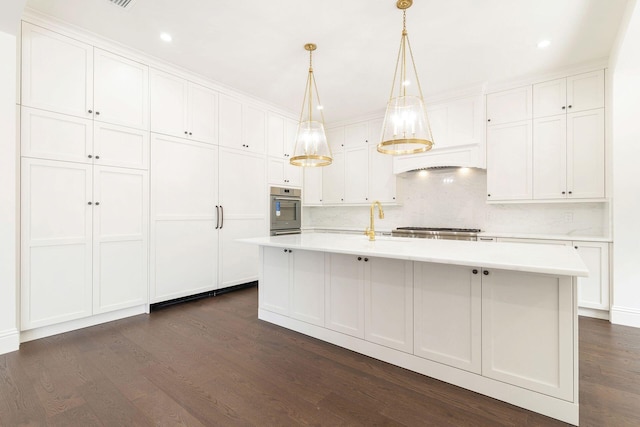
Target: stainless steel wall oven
285	210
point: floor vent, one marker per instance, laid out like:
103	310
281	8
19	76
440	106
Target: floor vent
125	4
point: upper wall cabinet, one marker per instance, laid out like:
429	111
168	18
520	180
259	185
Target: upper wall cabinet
183	109
66	76
509	106
572	94
242	126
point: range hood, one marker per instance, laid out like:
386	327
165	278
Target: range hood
465	156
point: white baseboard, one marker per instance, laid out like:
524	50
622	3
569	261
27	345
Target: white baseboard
72	325
9	341
625	316
592	312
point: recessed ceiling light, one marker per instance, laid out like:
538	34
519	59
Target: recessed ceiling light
166	37
542	44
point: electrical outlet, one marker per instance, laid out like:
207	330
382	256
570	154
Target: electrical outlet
568	217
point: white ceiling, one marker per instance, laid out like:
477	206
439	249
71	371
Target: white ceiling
256	46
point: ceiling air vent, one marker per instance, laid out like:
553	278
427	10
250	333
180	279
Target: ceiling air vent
125	4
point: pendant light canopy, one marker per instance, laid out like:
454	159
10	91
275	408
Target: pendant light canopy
311	148
406	128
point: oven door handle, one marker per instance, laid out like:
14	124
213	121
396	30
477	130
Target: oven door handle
284	232
293	199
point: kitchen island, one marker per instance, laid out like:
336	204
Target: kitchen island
497	319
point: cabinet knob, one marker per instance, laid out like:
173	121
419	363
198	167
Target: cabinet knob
563	192
97	203
89	156
488	120
570	192
488	195
290	251
97	157
576	247
475	271
366	260
359	258
563	107
569	106
190	133
285	251
90	111
186	133
485	272
97	113
89	203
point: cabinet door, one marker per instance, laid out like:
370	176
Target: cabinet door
509	161
56	242
120	146
168	104
54	136
276	171
307	286
509	106
254	122
593	291
121	90
388	303
585	154
344	295
335	139
273	292
448	314
356	176
382	180
243	201
527	331
312	192
184	239
356	135
333	180
57	72
550	98
230	122
275	136
585	91
550	157
290	133
202	115
293	174
120	238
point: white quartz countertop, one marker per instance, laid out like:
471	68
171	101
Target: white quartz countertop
549	259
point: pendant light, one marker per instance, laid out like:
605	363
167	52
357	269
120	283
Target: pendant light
406	128
311	148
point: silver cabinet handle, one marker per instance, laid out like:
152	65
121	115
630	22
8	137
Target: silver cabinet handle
217	218
221	217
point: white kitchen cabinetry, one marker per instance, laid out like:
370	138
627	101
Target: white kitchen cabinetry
64	75
281	134
593	291
296	284
184	218
527	344
356	174
344	295
448	314
509	161
312	192
183	109
55	136
120	238
84	240
572	94
333	180
509	106
242	126
388	303
585	154
242	201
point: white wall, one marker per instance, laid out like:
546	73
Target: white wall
625	65
453	198
9	24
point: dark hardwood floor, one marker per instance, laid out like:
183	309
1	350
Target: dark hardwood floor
211	362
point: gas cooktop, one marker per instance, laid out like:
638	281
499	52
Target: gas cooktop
437	233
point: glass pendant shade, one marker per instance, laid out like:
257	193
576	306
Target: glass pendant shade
311	146
406	128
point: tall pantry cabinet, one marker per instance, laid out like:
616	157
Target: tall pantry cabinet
84	184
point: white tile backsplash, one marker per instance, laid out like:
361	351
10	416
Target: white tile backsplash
457	198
